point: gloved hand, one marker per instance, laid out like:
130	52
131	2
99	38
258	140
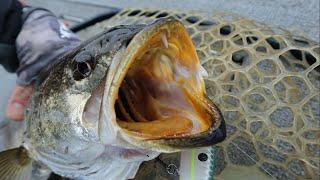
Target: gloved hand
41	41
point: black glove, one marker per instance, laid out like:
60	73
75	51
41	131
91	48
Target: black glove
10	25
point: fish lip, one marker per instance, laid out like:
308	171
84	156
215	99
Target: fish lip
216	131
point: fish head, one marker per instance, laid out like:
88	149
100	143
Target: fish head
138	86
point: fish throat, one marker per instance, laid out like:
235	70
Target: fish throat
162	93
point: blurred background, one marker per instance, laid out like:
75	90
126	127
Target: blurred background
301	16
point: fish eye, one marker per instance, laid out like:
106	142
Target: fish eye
82	70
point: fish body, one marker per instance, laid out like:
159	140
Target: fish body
118	99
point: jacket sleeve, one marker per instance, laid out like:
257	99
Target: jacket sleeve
10	26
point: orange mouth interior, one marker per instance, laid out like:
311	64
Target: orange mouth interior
162	94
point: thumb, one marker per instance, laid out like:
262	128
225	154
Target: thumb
18	101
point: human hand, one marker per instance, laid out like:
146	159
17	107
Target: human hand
18	101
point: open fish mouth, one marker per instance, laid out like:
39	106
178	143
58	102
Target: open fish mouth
162	92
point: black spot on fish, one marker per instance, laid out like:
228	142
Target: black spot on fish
94	172
75	163
83	168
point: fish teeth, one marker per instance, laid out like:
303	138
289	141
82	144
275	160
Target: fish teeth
165	67
164	40
203	72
